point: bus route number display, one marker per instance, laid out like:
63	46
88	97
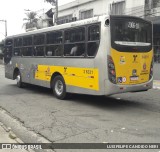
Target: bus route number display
133	25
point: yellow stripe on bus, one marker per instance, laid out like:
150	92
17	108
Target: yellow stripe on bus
79	77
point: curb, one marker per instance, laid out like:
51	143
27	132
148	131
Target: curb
13	137
25	135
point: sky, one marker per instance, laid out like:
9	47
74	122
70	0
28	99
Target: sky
14	12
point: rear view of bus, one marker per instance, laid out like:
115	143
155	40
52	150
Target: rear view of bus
130	61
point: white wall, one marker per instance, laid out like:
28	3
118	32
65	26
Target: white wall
100	7
135	7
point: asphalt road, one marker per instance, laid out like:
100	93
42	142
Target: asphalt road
122	118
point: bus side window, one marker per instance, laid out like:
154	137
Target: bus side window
93	33
17	46
17	42
27	41
74	42
54	50
92	48
8	50
8	42
17	52
54	37
54	44
39	51
39	39
93	40
27	49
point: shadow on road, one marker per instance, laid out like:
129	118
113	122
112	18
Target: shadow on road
102	102
105	101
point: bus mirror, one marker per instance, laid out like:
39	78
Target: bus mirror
107	22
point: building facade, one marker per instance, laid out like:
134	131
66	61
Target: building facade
82	9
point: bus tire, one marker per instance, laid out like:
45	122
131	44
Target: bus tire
59	87
20	84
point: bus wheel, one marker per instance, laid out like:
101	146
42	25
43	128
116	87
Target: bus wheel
59	87
19	80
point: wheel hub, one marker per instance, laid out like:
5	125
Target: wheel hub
59	87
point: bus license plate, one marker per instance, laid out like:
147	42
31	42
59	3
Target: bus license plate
134	78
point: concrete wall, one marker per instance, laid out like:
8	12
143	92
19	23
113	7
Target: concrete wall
135	7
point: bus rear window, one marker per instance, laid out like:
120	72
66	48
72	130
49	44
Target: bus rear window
131	32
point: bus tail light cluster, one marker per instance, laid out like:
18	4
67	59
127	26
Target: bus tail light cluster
151	70
111	70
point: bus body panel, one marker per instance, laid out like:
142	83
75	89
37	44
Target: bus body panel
132	67
78	79
115	89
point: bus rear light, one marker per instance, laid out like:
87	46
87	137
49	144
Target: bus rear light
91	77
111	70
151	70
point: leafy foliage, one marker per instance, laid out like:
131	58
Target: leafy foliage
52	2
31	20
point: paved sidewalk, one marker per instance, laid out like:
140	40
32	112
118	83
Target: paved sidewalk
156	84
6	136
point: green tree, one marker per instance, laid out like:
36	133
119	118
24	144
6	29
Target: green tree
52	2
32	20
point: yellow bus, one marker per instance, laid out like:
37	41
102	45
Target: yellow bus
103	55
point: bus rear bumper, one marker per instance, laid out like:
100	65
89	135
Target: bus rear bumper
115	89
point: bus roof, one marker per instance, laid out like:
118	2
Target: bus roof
72	24
62	26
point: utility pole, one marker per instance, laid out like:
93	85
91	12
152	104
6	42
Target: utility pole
56	13
5	21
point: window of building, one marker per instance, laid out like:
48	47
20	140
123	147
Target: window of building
117	8
86	14
74	42
65	19
93	40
